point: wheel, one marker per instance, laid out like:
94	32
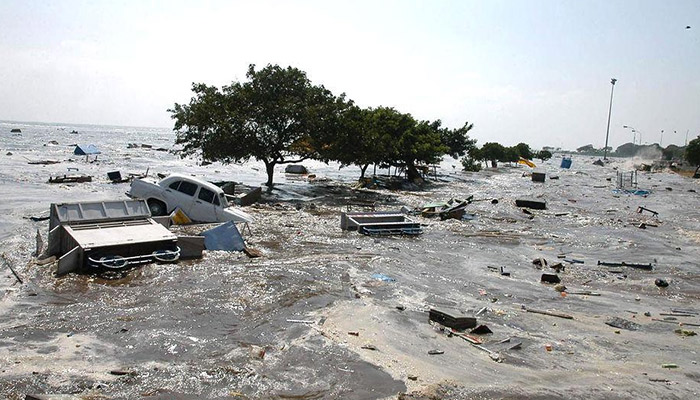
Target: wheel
157	208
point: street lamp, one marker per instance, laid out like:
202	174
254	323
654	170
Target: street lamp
607	132
634	133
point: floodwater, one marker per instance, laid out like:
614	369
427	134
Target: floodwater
228	326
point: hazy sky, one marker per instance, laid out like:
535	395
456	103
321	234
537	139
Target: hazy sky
532	71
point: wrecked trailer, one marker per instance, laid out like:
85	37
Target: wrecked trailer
379	223
107	236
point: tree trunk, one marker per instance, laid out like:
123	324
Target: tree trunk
270	170
412	173
695	175
494	164
363	169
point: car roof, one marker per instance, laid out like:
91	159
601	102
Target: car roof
198	181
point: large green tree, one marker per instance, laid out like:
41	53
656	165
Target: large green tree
493	152
523	150
420	143
367	136
692	153
457	140
277	116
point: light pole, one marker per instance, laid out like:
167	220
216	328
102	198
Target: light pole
607	132
634	133
661	141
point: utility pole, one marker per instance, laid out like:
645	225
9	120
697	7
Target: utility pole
607	132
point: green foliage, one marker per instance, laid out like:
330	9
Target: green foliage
420	143
470	164
544	155
692	153
627	150
673	152
277	117
492	151
523	150
457	140
511	154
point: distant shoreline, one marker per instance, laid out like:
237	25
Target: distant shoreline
79	124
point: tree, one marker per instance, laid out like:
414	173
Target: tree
544	155
692	154
523	150
457	140
673	152
627	150
276	117
511	154
367	136
493	152
420	143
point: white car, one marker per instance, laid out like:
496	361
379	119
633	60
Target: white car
201	201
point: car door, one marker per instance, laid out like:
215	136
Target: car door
207	204
180	194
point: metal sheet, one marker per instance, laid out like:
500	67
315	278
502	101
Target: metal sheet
100	211
120	235
70	261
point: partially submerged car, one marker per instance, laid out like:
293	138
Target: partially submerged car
201	201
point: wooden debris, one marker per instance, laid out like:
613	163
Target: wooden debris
70	179
550	313
252	253
9	265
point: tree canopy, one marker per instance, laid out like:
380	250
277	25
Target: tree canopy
457	140
276	117
692	153
544	155
493	152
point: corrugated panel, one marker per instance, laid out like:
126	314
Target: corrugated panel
69	213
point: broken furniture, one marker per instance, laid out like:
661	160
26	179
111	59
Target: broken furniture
453	208
107	235
379	223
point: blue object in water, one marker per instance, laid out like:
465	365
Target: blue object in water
383	278
224	237
566	162
86	150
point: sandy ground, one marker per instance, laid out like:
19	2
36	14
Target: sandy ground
308	320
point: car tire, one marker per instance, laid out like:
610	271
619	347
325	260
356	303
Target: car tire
157	208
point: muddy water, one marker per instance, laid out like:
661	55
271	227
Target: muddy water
228	326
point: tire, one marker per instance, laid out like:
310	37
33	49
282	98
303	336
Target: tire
157	208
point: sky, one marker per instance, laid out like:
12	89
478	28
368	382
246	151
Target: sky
535	71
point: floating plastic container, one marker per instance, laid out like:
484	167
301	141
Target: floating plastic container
566	162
